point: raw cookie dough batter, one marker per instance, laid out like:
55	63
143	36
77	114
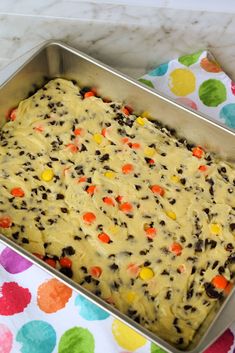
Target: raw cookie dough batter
141	219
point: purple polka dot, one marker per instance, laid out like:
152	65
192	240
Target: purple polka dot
12	262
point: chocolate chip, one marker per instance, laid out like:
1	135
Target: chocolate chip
59	197
25	241
211	292
67	272
68	251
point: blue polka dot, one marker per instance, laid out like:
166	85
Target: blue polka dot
227	114
159	71
90	311
37	337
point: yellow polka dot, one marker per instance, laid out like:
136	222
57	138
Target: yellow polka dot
97	138
171	215
126	337
175	179
149	151
146	273
109	175
140	121
215	228
145	115
47	175
182	82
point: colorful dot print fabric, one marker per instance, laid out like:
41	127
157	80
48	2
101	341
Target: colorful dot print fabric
199	82
39	314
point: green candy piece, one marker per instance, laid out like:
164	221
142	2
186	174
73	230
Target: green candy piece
212	92
77	340
146	82
156	349
190	59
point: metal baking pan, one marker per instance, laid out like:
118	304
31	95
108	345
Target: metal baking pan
55	59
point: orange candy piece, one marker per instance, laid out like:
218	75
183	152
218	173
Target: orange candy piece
157	189
203	168
89	217
17	192
133	269
126	207
219	282
127	168
198	152
104	238
228	289
176	248
51	262
91	189
5	222
125	111
95	271
89	94
65	262
135	145
82	179
109	201
39	128
104	132
73	148
125	140
39	256
78	132
151	232
12	115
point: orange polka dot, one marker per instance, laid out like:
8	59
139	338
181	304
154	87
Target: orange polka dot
52	296
210	65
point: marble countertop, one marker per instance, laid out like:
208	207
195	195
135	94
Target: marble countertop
130	37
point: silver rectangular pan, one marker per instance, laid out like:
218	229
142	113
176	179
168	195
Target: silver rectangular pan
55	59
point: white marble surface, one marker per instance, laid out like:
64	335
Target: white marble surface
132	38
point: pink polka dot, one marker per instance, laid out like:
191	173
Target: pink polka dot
6	339
233	87
222	344
188	102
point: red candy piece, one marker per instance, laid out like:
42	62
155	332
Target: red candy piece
89	217
65	262
119	198
96	271
17	192
157	189
104	238
5	222
125	111
39	256
198	152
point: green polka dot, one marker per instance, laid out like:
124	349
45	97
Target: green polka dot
212	93
156	349
77	340
190	59
146	82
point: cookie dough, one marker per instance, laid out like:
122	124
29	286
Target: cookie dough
118	203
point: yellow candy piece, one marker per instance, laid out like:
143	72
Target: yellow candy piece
47	175
140	121
97	138
146	273
109	174
149	151
114	229
171	215
145	115
175	179
215	228
130	297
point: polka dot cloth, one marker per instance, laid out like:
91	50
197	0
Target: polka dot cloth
38	314
197	81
